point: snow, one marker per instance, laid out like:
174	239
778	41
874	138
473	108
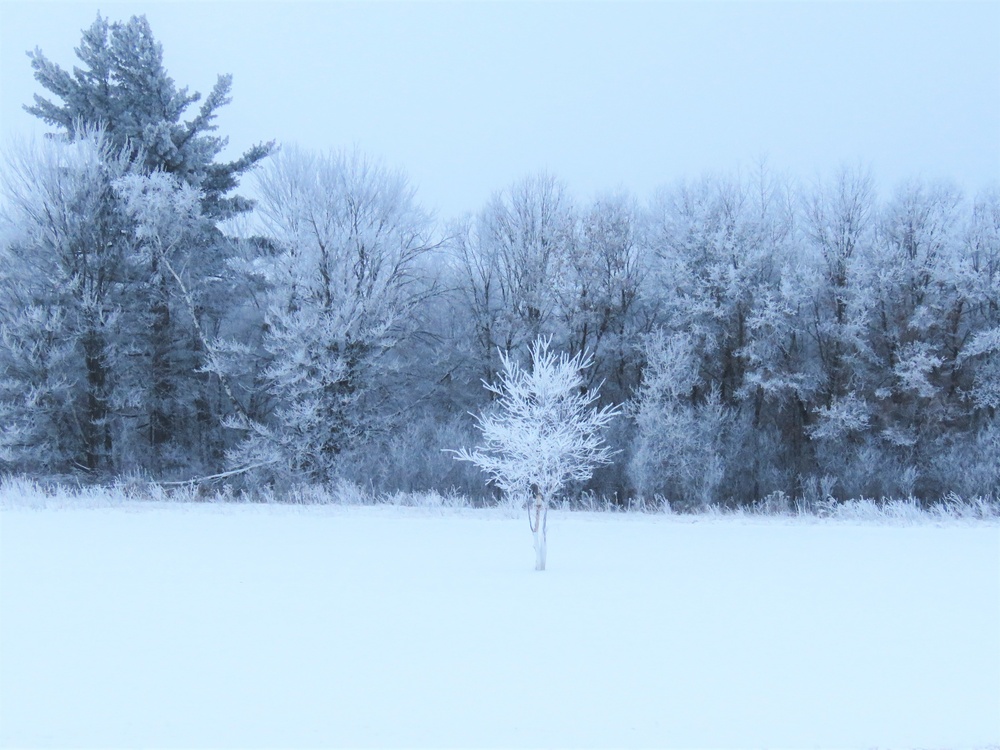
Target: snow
184	625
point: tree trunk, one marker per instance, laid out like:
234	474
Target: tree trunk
538	516
96	431
160	422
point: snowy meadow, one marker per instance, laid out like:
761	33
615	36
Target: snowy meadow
191	336
128	622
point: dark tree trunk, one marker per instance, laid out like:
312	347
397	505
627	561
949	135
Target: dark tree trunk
160	418
96	430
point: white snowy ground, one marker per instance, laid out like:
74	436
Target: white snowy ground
157	625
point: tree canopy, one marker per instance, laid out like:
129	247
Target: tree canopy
123	88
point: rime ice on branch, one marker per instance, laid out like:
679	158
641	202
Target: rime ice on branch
542	432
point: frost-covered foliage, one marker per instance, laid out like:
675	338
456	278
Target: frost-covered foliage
533	263
509	260
544	429
345	289
106	279
678	450
770	339
122	87
838	338
64	256
717	250
113	254
543	432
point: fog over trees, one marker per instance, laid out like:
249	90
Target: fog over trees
767	338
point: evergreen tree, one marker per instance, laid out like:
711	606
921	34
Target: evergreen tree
123	90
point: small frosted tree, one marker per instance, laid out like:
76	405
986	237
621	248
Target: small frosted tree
543	431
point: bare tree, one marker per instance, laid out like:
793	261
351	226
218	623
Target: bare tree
600	292
510	260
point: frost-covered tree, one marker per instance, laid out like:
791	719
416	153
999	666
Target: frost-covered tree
678	452
66	260
543	431
718	248
719	244
122	86
980	262
169	229
600	292
915	323
346	288
92	244
510	260
839	226
606	304
838	235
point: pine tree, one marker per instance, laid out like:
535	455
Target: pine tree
122	89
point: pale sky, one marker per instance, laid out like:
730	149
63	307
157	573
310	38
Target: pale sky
467	97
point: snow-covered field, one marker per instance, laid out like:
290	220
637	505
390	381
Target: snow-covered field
150	624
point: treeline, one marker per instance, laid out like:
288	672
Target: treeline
768	339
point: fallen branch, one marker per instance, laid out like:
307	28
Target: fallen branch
212	477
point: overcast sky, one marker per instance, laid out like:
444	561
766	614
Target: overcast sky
467	97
